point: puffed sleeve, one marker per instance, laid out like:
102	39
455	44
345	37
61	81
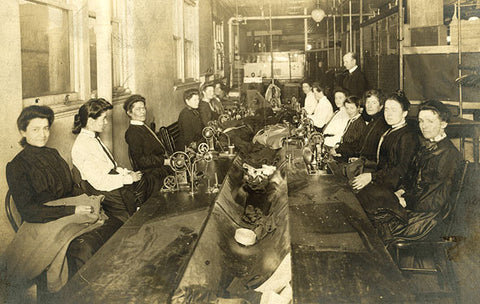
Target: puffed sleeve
26	199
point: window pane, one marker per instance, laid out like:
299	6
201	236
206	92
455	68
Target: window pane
189	59
45	49
93	54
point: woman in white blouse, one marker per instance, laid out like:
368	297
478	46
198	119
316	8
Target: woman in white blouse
334	130
123	189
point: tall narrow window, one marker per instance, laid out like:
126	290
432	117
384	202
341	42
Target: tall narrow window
185	39
45	49
218	47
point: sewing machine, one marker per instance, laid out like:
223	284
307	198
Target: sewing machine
184	164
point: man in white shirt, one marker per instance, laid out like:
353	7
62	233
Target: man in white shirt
323	109
310	101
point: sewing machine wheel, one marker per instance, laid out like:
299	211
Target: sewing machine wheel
169	182
208	132
203	147
178	161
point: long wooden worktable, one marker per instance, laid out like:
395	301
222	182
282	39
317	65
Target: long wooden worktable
144	260
337	257
177	244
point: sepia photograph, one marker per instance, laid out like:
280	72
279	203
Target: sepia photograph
240	151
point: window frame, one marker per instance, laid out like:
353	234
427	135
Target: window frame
185	64
219	42
71	93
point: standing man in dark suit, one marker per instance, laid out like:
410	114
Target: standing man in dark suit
355	81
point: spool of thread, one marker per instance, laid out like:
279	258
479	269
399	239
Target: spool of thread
231	149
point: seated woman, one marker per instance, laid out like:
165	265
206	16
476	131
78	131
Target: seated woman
336	126
367	147
124	190
395	152
39	175
209	108
219	91
147	153
354	130
190	125
323	111
425	194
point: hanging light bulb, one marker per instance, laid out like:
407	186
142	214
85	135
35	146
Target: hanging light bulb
318	14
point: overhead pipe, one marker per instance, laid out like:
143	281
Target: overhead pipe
350	26
459	49
305	29
334	36
361	35
400	42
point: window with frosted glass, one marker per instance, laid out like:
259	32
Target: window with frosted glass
45	49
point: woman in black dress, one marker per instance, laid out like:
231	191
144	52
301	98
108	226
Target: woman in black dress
395	151
425	195
38	174
147	153
367	147
190	125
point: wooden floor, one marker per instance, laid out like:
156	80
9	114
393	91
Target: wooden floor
466	255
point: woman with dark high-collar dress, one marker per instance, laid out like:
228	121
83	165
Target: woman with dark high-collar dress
425	194
367	147
38	175
395	151
147	153
190	125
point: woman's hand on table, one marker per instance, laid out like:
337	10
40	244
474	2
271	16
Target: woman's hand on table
360	181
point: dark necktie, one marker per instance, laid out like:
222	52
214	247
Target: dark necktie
114	170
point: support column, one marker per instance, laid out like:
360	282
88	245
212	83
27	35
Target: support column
103	32
11	97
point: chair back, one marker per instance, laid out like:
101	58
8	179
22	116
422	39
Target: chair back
167	140
13	215
455	194
78	181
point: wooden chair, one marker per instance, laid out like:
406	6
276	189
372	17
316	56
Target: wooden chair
436	251
13	215
166	135
15	219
